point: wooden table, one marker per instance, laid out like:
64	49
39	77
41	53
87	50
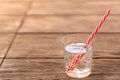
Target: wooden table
31	32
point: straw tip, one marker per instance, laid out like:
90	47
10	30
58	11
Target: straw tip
108	10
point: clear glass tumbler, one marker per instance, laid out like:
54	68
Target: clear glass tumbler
72	44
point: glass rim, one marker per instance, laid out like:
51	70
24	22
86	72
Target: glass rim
63	38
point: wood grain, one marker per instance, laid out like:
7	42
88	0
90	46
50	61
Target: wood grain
50	46
77	23
50	69
9	23
45	7
0	61
58	76
17	8
5	40
14	0
37	53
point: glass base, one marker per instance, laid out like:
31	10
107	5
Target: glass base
79	74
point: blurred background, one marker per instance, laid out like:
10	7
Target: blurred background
30	33
57	15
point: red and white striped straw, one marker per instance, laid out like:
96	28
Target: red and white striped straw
76	59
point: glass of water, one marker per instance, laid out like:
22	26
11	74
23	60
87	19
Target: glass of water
72	44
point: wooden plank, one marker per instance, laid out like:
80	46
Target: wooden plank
73	7
50	46
14	0
76	23
50	69
9	23
5	40
17	8
101	1
106	55
58	76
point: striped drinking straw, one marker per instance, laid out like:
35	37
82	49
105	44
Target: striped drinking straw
77	59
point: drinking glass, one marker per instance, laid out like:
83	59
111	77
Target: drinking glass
72	44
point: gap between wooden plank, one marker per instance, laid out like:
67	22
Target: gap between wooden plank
59	14
67	32
69	14
61	58
59	32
